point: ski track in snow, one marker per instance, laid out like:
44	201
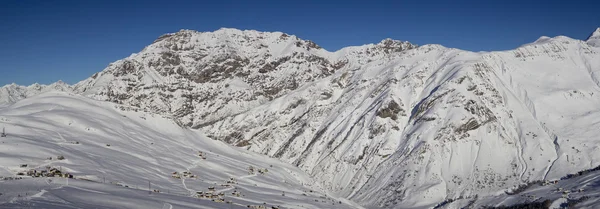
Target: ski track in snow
167	206
233	187
39	194
193	165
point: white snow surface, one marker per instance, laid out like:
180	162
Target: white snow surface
144	148
386	125
582	191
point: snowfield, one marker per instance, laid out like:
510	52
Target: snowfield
386	125
144	148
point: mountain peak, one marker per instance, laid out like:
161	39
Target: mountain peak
391	45
389	40
594	38
595	34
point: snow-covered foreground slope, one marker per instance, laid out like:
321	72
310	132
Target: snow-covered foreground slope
578	191
102	143
60	193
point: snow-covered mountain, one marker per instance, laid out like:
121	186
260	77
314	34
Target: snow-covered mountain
13	92
201	78
390	125
594	39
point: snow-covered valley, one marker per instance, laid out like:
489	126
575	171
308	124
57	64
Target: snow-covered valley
120	153
386	125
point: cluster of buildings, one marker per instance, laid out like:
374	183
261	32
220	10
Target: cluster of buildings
252	170
210	194
185	174
51	172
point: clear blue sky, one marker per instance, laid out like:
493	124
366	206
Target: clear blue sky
48	40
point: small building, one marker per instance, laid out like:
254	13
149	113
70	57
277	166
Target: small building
236	193
55	171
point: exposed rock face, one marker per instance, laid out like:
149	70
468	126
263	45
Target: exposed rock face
388	124
200	78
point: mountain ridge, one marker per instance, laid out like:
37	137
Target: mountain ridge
390	124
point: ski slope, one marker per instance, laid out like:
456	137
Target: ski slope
144	148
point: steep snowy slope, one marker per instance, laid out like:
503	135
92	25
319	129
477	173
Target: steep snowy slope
102	142
432	123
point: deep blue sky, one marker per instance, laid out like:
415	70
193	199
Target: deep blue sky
49	40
